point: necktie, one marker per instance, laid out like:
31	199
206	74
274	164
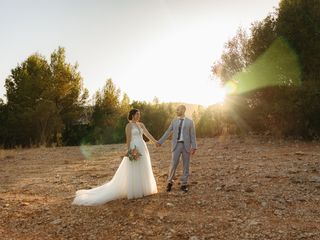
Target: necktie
180	126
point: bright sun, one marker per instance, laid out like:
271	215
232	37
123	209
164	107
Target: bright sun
210	93
174	70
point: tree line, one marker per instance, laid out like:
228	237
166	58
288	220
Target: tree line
47	105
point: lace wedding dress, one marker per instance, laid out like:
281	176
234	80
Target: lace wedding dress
133	179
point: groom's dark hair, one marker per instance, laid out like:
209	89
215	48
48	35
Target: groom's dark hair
132	113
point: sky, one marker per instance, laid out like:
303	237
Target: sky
150	48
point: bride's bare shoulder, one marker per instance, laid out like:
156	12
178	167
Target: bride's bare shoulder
141	124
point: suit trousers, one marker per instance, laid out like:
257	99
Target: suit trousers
179	150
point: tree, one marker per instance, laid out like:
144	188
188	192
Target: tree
106	112
66	91
106	105
209	123
3	120
42	100
263	34
234	58
119	135
299	22
273	72
26	87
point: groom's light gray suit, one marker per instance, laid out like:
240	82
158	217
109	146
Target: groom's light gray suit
181	147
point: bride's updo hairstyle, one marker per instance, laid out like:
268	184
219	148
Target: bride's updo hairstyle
132	113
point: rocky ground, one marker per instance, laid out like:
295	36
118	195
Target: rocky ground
251	188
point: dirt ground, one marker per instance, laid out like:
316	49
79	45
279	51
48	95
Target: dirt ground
251	188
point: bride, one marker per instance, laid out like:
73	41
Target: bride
134	178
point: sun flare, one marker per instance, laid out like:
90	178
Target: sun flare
209	93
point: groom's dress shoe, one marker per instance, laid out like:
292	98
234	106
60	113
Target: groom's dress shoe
169	186
184	188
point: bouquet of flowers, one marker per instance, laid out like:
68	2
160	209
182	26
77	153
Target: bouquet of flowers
133	154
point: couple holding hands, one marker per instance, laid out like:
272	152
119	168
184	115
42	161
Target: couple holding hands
134	177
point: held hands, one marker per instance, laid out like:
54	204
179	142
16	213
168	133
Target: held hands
192	151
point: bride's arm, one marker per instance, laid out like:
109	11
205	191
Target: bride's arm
128	135
147	134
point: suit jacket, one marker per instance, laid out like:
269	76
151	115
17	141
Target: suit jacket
189	134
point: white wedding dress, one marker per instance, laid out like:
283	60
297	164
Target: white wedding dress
133	179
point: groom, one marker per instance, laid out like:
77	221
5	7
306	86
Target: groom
183	143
